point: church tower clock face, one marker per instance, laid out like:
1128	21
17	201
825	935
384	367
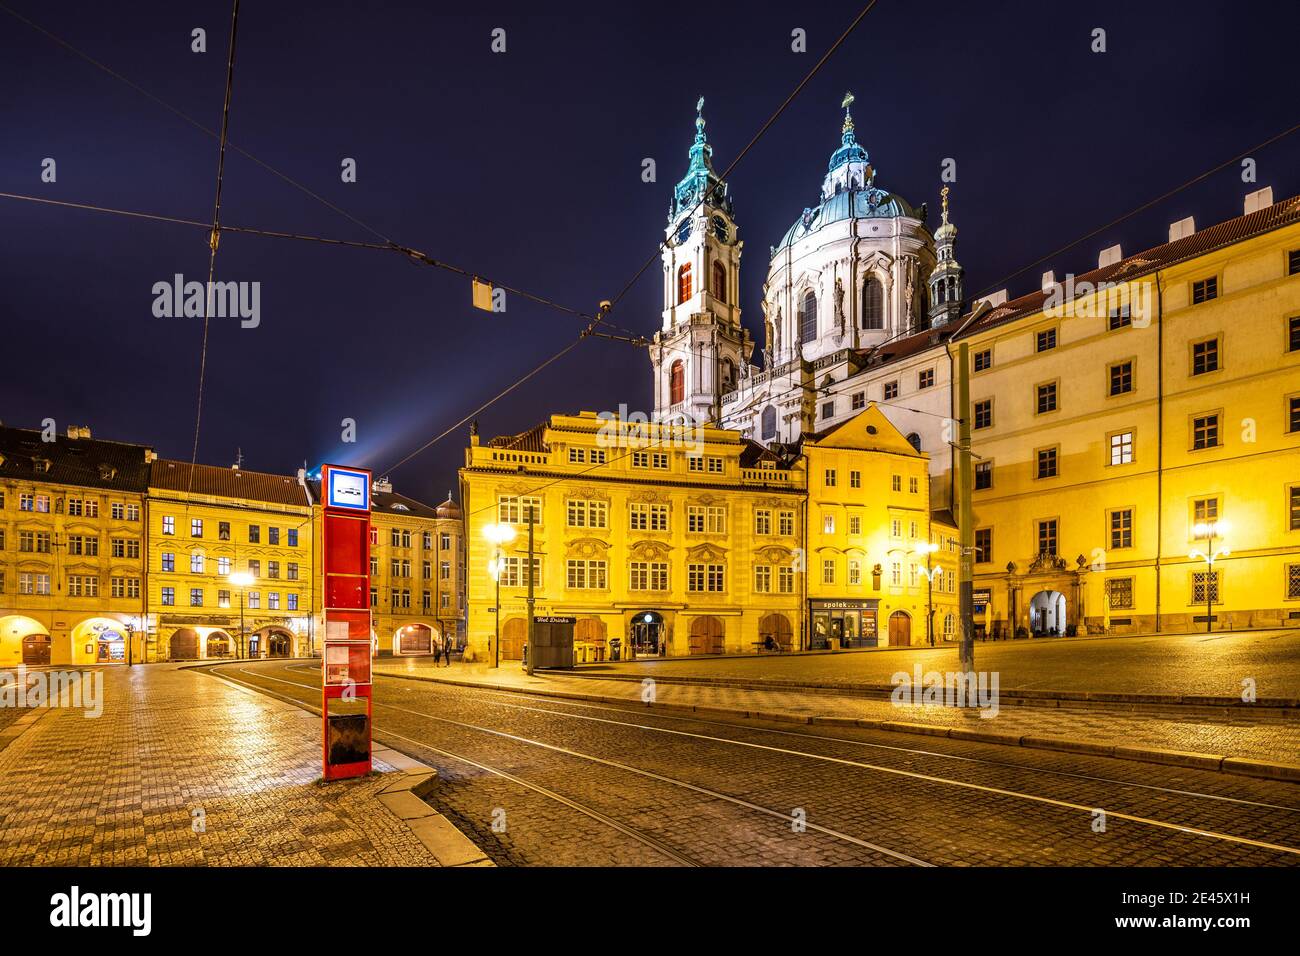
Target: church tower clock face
721	231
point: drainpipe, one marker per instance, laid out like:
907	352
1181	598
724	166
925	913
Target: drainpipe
311	611
1160	438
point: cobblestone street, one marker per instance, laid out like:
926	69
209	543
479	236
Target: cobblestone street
544	781
1186	664
123	789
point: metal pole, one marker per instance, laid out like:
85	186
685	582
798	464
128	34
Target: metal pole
497	623
966	516
529	649
1209	579
241	620
929	599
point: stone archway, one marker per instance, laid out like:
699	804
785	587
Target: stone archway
16	638
218	644
413	639
777	627
707	636
1047	614
184	645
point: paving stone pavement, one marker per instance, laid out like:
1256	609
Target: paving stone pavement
120	789
1259	738
1181	664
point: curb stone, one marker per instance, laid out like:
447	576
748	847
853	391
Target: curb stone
1242	766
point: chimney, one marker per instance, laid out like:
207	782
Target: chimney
384	485
1181	229
1109	256
994	299
1259	199
1049	280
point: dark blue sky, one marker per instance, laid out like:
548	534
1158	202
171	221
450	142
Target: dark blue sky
526	167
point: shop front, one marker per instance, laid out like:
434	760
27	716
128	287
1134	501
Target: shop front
840	624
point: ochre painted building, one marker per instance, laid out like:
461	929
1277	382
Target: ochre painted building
71	548
664	540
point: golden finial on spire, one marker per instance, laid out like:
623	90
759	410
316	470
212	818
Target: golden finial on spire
848	118
944	193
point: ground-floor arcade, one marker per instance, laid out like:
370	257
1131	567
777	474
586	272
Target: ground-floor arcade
57	638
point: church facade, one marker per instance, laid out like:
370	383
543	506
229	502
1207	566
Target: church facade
1135	429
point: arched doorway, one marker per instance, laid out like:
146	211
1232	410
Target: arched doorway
15	629
647	633
414	639
900	629
36	649
514	634
184	645
217	645
1047	614
707	636
279	644
777	627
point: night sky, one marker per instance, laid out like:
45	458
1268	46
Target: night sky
526	167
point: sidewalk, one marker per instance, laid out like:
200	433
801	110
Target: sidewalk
1140	736
174	746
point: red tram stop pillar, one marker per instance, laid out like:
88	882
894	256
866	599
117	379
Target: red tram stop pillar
346	686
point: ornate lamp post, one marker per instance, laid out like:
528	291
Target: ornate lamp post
1208	531
928	548
497	535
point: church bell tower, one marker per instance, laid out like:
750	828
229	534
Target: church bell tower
700	348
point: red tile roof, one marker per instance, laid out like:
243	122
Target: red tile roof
227	482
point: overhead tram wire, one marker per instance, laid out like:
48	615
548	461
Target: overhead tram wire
215	237
606	307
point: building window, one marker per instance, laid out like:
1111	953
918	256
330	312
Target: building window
762	578
896	573
828	409
273	537
925	378
983	475
223	599
808	317
648	576
1293	334
169	524
830	478
1121	448
762	521
1293	413
873	304
1119	594
855	479
1205	356
1205	431
1121	378
518	510
828	571
859	400
984	413
1120	318
577	456
196	597
705	577
168	561
1204	290
677	383
983	545
1293	582
785	579
855	524
769	423
1046	397
1121	528
785	523
828	524
1045	340
254	534
983	360
587	514
196	527
891	390
855	571
1045	465
1201	580
914	485
1293	262
586	574
291	537
719	281
196	562
168	597
1293	496
1047	537
683	283
223	566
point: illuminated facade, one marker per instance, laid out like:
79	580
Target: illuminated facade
230	563
665	541
71	548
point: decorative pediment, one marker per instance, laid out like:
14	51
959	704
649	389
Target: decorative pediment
586	548
650	550
773	554
589	494
650	496
706	554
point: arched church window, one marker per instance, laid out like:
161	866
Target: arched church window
719	281
914	440
676	383
728	374
808	317
769	423
683	283
873	305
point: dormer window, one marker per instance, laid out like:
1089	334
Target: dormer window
41	465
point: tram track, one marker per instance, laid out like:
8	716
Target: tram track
709	793
551	708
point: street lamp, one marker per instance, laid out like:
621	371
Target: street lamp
1208	531
241	580
497	535
928	548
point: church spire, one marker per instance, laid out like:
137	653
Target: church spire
946	280
701	180
848	168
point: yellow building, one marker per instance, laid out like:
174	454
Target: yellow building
71	548
230	563
1113	426
417	573
665	540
